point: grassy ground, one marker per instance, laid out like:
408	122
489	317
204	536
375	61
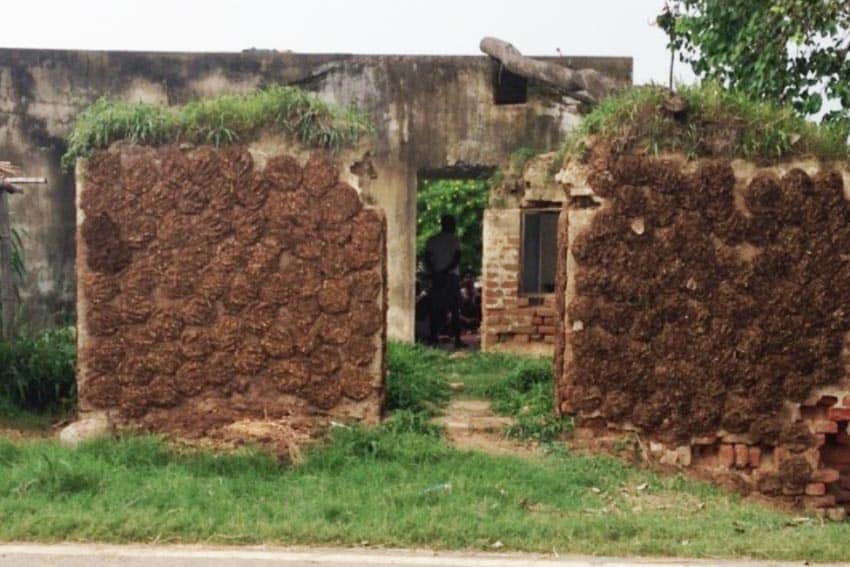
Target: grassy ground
399	484
394	489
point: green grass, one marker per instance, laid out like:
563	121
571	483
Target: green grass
526	394
518	386
748	129
223	120
387	488
414	380
399	484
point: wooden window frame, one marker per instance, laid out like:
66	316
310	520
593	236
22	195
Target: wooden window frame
523	213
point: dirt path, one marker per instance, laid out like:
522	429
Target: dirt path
473	425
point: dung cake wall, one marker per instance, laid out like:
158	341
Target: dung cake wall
224	285
707	306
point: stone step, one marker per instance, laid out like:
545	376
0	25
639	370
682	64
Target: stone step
492	423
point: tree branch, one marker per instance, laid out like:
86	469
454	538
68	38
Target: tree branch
585	85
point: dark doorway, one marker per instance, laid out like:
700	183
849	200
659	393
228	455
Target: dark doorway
463	194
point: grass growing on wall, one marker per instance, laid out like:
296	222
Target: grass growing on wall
219	121
718	122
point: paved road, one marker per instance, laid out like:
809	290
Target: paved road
73	555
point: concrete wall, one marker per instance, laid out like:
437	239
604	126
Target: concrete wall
429	113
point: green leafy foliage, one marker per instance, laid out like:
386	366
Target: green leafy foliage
466	200
526	394
787	51
413	384
719	122
37	372
226	119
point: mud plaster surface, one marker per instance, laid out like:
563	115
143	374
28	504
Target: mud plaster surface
214	291
702	302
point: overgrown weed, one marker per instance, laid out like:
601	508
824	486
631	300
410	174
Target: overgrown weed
219	121
717	123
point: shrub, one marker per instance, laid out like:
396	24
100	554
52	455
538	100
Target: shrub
37	372
413	380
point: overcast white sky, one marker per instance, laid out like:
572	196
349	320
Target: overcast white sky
535	27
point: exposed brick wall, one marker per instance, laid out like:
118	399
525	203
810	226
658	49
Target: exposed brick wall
704	311
510	321
213	289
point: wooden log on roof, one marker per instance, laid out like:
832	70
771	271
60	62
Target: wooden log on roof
584	85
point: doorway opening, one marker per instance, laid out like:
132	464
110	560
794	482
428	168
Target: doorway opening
450	205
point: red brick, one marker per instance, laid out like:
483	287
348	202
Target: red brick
536	337
521	338
726	455
547	329
826	501
825	426
524	329
826	475
836	455
755	457
815	489
842	438
537	321
838	414
842	496
549	339
549	320
846	400
522	302
742	455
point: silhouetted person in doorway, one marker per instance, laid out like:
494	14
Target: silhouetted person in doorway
442	258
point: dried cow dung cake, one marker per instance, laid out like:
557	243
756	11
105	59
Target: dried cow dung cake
100	288
210	282
284	172
107	252
340	203
320	174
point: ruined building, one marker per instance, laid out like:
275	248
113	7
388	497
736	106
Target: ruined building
455	116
